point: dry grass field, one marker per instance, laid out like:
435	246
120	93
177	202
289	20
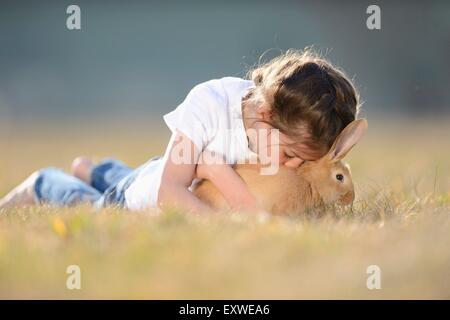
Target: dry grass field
400	222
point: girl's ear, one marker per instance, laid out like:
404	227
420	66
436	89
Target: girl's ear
264	111
347	139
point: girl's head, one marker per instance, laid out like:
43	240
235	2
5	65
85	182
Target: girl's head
304	96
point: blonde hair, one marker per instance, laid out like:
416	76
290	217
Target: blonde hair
303	90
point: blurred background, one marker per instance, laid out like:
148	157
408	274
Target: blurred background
136	60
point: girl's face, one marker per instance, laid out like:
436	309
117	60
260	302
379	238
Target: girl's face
279	148
292	153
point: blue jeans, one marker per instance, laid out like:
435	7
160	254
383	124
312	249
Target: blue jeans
109	180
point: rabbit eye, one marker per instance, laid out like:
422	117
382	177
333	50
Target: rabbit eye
340	177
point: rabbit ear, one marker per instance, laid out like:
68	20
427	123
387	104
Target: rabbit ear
347	139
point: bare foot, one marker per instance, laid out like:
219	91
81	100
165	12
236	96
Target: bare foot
22	195
82	168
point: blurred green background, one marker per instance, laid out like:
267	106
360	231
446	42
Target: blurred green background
137	60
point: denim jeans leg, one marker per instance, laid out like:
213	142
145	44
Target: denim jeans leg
55	187
108	173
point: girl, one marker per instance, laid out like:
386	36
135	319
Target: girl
302	96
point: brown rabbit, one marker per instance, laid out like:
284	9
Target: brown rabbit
324	181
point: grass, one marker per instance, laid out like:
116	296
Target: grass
400	222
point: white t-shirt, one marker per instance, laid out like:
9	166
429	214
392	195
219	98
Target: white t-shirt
211	116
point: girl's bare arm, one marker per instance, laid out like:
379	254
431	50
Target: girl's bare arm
177	177
229	183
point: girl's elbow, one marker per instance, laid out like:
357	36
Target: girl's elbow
163	193
167	191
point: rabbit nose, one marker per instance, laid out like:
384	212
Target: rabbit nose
348	198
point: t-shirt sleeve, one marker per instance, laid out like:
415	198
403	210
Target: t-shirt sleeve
196	117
